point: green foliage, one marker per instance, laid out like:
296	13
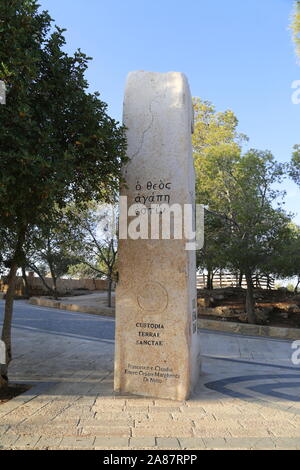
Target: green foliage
295	27
57	144
214	134
95	228
290	287
287	262
213	256
82	271
97	231
244	229
294	168
238	189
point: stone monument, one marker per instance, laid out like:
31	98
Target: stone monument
157	352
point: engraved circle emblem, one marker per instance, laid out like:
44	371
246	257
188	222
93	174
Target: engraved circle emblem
152	297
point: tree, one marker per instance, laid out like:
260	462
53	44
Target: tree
287	262
214	132
294	168
295	27
239	189
212	257
57	143
52	250
98	252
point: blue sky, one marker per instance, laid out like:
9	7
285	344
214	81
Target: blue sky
237	54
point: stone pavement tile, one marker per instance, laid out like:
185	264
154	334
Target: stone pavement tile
77	443
65	417
116	416
287	443
108	408
111	443
228	413
48	442
104	402
76	409
160	430
263	443
284	430
46	420
191	411
3	428
105	431
273	413
139	401
241	443
210	421
192	443
259	432
164	420
22	412
20	401
26	442
47	430
164	409
193	403
121	422
167	443
8	440
141	442
105	392
85	401
182	418
162	402
215	443
212	432
157	417
138	409
136	416
210	404
271	422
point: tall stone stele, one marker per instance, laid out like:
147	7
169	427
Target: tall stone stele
157	352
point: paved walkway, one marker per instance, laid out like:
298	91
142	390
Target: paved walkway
248	396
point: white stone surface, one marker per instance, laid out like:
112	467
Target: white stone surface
157	278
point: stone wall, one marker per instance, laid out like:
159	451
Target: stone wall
64	286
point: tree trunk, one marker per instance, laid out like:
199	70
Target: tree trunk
250	304
209	280
55	293
26	284
34	268
6	329
296	286
109	292
241	278
54	279
8	310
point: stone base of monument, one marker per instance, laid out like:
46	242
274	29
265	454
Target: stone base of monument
157	349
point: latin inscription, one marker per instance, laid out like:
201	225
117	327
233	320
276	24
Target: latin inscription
149	334
152	374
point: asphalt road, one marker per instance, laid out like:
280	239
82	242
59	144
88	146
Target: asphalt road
50	320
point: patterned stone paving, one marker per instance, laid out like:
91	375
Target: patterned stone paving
248	396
